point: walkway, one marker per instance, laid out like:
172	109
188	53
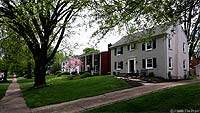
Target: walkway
108	98
13	102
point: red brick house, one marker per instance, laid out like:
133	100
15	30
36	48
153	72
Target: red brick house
97	62
194	62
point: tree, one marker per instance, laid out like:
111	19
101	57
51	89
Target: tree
73	63
29	70
4	69
89	50
55	63
141	14
14	54
41	23
188	12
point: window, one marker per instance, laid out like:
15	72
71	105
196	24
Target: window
96	57
89	59
83	59
184	64
149	63
120	65
149	45
170	43
143	46
88	68
119	50
96	68
170	62
131	47
183	47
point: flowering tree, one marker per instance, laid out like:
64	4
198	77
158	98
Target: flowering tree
73	63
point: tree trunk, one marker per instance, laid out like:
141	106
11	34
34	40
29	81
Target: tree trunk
40	72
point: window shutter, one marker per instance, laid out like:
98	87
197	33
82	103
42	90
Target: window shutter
128	47
122	50
143	46
121	64
154	63
154	43
143	63
115	51
115	65
134	46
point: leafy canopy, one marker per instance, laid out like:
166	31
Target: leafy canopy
90	50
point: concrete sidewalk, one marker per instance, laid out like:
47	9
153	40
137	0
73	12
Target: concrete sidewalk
13	102
108	98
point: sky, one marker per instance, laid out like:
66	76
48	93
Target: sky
83	31
83	35
83	38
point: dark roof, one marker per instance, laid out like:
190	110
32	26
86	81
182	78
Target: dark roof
140	35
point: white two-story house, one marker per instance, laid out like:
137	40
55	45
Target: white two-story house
164	52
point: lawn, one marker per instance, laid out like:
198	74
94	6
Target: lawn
185	97
3	88
61	90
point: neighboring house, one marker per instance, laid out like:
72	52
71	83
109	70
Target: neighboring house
63	66
197	68
1	76
193	62
165	54
72	64
97	62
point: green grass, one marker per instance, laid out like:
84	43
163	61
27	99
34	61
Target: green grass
177	98
61	90
3	88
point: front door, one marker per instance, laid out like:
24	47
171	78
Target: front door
131	65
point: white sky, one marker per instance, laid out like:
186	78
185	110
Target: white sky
83	38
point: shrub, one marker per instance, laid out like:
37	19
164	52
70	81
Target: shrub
169	75
64	73
70	77
192	76
151	75
86	74
81	73
57	72
73	77
143	73
74	73
108	73
76	77
50	75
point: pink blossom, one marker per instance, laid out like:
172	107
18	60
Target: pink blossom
73	62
